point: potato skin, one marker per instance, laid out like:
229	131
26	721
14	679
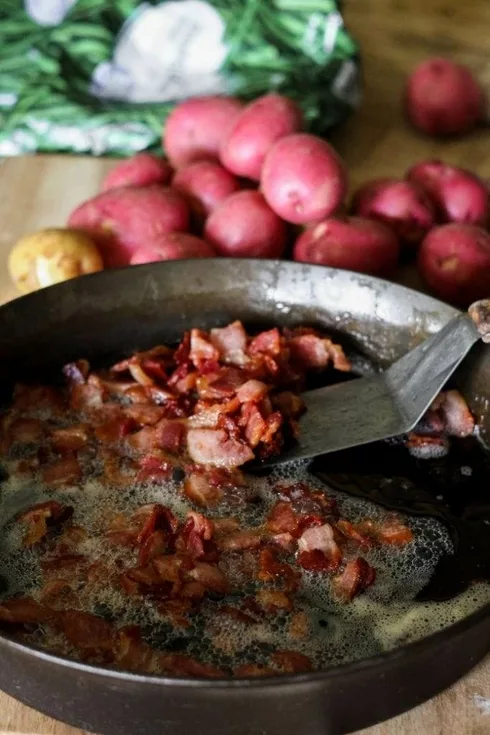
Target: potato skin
143	169
205	184
303	179
443	98
51	256
459	195
403	205
353	243
196	128
263	122
120	220
173	246
244	226
454	261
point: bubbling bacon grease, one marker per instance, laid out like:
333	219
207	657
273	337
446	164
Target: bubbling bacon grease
200	410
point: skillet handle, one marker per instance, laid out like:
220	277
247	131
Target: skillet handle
480	313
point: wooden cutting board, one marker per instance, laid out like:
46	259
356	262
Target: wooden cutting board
394	34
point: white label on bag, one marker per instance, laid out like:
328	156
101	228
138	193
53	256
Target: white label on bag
164	53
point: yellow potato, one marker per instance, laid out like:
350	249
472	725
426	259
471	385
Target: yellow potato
51	256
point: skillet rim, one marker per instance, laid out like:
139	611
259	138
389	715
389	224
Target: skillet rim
372	663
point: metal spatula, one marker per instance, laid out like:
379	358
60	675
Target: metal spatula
389	403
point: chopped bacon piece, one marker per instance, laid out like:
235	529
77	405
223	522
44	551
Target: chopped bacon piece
196	531
456	415
58	593
225	526
144	414
139	375
353	533
39	518
70	539
357	576
87	632
272	570
273	600
310	351
177	611
254	424
181	665
250	538
166	434
155	544
114	429
24	611
289	404
201	349
131	652
316	561
392	531
214	447
86	397
291	662
268	342
77	372
282	519
60	565
64	471
154	468
220	385
198	489
231	343
252	390
210	577
320	538
70	439
299	626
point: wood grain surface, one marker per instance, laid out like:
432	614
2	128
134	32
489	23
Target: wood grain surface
394	35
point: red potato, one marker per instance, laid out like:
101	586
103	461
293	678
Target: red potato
205	184
303	179
443	98
353	243
244	226
454	260
459	195
196	128
143	169
173	246
263	122
403	205
120	220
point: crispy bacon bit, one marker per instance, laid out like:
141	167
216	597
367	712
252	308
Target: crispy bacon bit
266	342
253	422
357	576
198	489
319	539
87	632
231	343
392	531
252	390
201	349
299	626
154	468
196	531
248	539
177	611
273	600
70	439
210	577
24	611
272	570
139	375
456	415
65	471
291	662
214	447
180	665
77	372
41	517
283	519
355	534
144	414
289	404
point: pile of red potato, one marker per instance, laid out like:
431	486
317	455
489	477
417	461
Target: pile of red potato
245	181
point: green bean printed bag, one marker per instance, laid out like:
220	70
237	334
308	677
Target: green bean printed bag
100	76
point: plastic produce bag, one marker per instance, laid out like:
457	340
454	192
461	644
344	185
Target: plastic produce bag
91	76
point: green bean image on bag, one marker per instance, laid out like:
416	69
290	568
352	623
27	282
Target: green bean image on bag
87	76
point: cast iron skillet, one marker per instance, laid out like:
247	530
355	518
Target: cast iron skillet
106	316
